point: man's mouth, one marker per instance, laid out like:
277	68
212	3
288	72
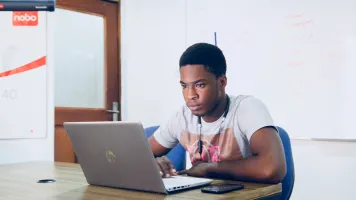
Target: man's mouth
194	107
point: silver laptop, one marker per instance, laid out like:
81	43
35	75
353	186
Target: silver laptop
117	154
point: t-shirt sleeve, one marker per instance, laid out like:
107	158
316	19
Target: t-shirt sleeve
253	115
166	134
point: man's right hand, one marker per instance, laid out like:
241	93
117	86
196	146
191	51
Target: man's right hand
166	167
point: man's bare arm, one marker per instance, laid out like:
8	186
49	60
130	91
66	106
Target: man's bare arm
267	164
157	149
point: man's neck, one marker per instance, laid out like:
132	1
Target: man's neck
217	112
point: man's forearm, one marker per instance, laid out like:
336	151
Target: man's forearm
252	169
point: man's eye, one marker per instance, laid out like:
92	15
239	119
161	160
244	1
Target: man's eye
200	85
184	86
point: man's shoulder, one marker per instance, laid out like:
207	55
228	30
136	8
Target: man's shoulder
236	100
244	101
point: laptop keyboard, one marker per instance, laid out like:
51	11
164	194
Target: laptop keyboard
181	181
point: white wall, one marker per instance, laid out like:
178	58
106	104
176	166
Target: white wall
153	38
22	150
151	93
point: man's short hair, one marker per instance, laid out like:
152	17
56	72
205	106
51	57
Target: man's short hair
205	54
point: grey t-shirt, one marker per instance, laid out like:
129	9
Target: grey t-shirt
222	140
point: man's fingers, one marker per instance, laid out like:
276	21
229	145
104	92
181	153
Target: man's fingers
164	167
182	172
159	166
172	169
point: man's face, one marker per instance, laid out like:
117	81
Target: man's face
202	90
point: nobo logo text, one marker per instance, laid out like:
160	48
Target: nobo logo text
25	18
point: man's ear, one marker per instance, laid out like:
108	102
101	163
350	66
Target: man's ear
222	82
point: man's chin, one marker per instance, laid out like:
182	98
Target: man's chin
198	113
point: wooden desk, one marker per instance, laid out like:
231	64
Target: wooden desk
19	181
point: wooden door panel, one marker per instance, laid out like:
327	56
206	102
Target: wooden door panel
63	150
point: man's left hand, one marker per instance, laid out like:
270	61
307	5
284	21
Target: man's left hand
199	169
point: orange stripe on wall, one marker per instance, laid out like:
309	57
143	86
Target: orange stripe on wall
32	65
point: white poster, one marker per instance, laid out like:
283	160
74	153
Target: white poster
23	75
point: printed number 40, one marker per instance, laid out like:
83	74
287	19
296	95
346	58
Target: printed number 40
8	94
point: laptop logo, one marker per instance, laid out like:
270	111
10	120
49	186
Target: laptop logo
110	156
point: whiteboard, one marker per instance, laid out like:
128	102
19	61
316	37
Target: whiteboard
23	75
298	57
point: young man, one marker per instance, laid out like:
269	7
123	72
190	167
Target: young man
226	136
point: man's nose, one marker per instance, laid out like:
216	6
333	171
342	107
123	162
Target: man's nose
192	93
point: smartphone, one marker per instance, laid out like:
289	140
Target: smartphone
221	188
